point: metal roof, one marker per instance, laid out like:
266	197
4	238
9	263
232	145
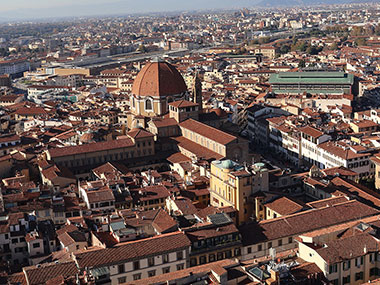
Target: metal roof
318	77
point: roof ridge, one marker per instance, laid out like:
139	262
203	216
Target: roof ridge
304	212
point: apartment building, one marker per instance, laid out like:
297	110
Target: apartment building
135	260
347	254
259	238
213	140
82	158
232	184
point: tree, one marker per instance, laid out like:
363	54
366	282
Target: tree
361	42
301	63
313	50
284	49
334	46
264	40
299	46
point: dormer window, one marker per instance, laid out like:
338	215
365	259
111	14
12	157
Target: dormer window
148	104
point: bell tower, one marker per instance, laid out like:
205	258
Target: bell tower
197	91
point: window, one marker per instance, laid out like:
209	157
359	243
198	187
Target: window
280	242
290	240
259	247
165	258
136	276
121	268
333	268
179	255
373	271
193	262
335	282
151	273
136	266
347	279
359	276
249	249
121	280
202	259
180	266
36	245
269	244
14	240
359	261
165	270
228	254
148	104
211	257
220	255
151	261
346	265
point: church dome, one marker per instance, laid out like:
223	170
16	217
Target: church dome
158	79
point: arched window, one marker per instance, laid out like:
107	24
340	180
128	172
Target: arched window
148	104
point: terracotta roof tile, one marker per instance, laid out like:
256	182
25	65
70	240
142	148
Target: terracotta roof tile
284	206
44	272
133	250
88	148
207	131
158	79
305	221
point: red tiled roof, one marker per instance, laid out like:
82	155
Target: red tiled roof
139	133
207	131
305	221
196	149
96	196
178	157
311	131
166	122
44	272
158	79
183	104
284	206
92	147
133	250
348	248
218	267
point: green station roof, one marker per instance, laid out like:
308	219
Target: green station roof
318	77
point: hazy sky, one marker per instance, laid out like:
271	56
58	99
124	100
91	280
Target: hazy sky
26	9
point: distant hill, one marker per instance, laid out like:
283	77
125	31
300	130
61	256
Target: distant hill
287	3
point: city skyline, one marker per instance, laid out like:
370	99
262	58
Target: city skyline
220	142
21	9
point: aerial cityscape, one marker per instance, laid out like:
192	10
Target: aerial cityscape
189	143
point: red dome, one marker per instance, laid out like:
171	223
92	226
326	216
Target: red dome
158	79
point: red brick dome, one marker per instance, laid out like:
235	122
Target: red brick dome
158	79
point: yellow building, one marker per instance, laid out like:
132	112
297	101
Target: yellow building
376	163
267	51
232	184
